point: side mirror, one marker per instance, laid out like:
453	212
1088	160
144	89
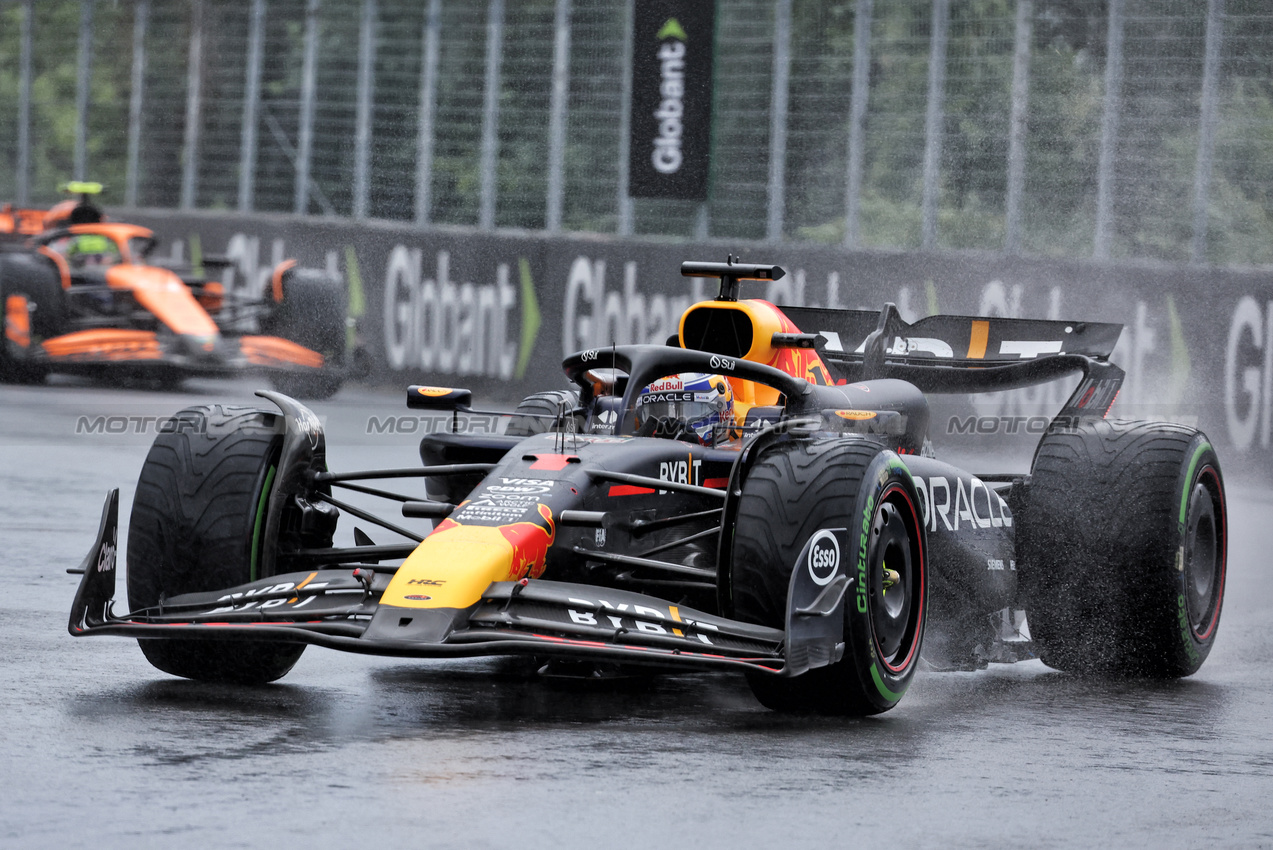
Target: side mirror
438	398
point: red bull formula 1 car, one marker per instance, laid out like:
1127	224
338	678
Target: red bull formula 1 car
81	294
751	497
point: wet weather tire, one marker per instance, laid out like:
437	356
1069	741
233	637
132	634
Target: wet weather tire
545	406
794	490
196	527
312	314
299	385
32	309
1123	549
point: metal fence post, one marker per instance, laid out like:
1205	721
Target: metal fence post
83	79
489	157
933	123
1109	130
1017	125
132	176
24	106
778	94
557	116
857	120
305	130
251	105
194	84
625	123
366	94
428	114
1207	128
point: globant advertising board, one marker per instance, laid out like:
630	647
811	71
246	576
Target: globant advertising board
497	313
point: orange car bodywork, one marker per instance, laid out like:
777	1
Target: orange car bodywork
22	221
162	293
105	344
17	321
158	291
276	351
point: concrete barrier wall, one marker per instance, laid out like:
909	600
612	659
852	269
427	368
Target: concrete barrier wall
497	312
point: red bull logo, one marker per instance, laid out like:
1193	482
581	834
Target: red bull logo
797	362
530	542
458	561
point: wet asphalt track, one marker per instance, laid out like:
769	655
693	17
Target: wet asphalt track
97	749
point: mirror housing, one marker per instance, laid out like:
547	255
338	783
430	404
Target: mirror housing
438	398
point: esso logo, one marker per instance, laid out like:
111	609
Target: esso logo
824	557
588	356
723	364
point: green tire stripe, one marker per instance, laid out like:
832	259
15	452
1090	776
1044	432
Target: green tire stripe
881	687
260	517
896	464
1193	464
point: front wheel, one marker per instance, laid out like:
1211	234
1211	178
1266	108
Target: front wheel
799	490
197	526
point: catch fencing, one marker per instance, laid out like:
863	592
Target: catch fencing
1124	129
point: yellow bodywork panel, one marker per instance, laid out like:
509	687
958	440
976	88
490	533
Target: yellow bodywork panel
456	563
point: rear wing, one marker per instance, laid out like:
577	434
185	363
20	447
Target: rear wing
937	354
950	354
954	340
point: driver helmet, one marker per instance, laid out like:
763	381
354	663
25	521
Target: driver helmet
688	406
90	248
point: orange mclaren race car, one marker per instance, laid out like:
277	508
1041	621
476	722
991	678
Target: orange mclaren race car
79	295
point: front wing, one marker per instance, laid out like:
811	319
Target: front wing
146	349
340	608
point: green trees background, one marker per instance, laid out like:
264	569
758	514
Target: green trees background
1154	168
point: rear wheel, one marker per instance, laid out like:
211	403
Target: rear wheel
1123	549
197	524
301	385
796	490
32	309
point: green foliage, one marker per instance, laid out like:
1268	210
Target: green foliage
1154	164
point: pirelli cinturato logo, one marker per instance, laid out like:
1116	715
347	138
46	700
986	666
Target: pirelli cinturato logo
671	99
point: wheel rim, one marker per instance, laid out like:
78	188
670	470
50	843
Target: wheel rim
891	571
1203	557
